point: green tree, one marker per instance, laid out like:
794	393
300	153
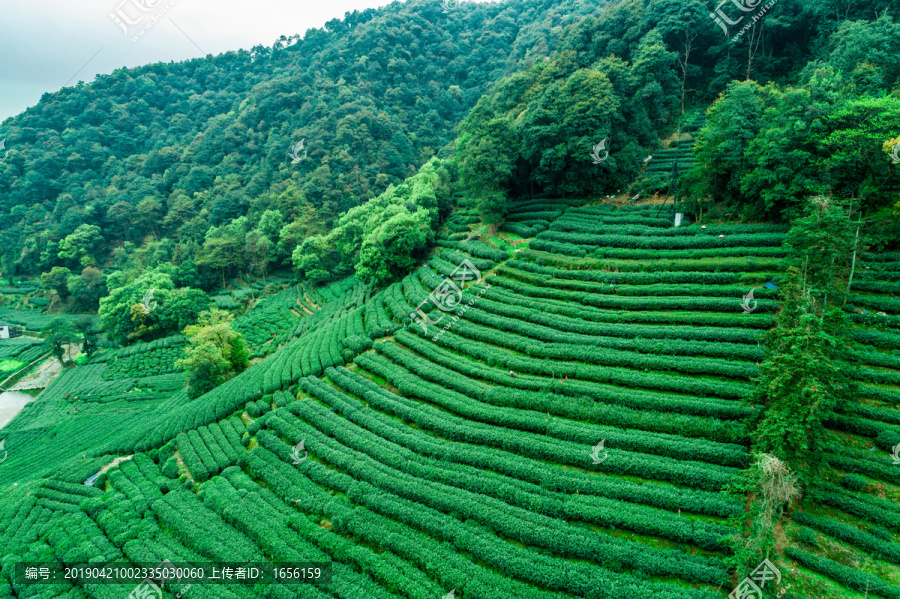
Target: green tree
289	237
129	313
784	164
87	289
822	244
215	352
394	247
311	259
258	253
7	267
270	224
491	207
853	149
116	315
802	381
57	280
85	326
655	68
174	310
148	214
58	334
559	129
487	152
684	26
804	378
181	209
224	246
82	245
722	150
868	53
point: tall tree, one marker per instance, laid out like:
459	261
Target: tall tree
215	352
58	335
803	378
82	245
57	280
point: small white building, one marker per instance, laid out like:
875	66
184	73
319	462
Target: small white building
7	332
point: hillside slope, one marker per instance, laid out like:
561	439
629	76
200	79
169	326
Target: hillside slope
563	427
169	150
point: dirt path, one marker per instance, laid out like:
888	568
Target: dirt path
40	378
23	369
45	373
115	462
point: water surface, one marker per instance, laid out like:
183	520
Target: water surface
11	403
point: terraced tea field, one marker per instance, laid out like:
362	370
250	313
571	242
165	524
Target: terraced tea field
558	421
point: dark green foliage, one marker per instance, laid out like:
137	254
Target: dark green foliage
807	537
803	379
801	384
170	468
392	125
854	482
846	575
851	534
766	149
57	336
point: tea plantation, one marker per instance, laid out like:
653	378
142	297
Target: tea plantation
567	425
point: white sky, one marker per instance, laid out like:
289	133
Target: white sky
46	44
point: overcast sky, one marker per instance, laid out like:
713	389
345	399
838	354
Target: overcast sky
47	44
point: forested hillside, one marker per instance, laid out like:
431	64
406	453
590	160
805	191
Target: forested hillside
168	151
544	298
806	104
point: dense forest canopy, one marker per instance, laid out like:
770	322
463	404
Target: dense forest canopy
165	155
806	102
